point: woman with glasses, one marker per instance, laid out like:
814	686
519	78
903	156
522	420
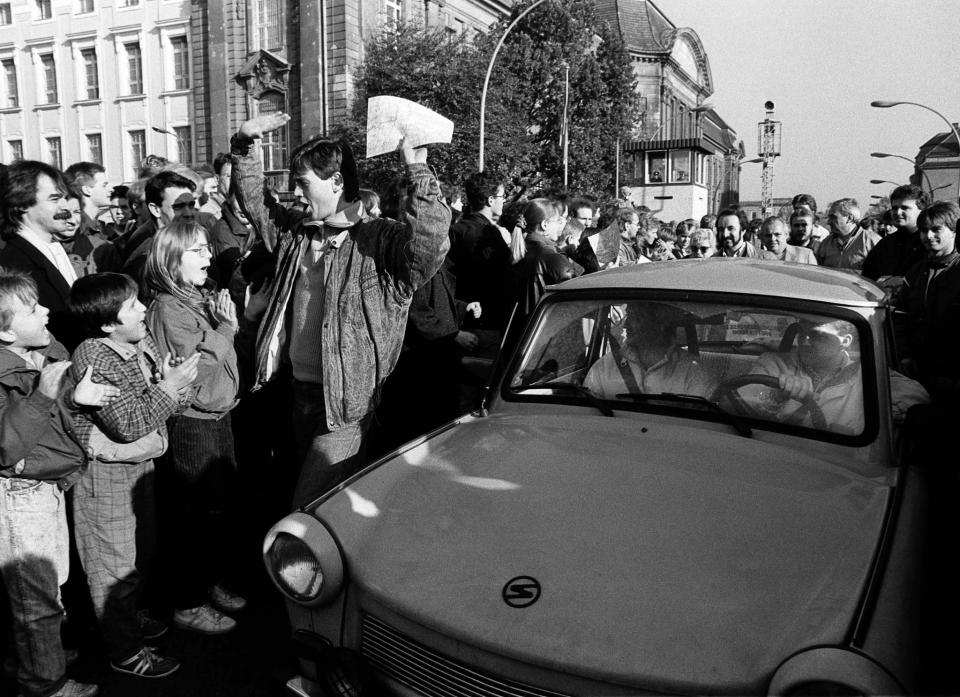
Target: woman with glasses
185	317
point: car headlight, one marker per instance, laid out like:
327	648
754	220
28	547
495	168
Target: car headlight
303	559
831	670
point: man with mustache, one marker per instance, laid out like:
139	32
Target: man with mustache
35	220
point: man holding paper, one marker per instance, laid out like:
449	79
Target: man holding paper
341	291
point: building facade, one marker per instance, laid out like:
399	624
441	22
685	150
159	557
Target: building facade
684	159
111	81
92	79
938	167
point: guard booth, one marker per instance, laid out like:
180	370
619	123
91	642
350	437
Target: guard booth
688	177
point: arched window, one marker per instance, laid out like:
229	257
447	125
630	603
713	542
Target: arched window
274	144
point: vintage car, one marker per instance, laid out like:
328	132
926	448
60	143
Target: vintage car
689	528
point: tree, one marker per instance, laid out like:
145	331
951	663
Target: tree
603	104
445	74
524	113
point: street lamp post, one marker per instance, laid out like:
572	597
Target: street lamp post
486	80
157	129
886	104
912	162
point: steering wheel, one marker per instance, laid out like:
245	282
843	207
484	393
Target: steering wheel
728	389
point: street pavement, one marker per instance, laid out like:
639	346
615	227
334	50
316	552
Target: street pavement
254	660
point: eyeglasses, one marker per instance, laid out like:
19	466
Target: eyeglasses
704	250
200	249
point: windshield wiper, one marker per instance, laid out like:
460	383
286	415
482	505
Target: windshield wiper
741	427
579	389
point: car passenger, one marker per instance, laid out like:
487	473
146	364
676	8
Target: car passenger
651	361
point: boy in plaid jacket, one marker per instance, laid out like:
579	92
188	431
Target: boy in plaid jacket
40	459
113	504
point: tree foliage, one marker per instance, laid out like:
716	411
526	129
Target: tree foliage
525	99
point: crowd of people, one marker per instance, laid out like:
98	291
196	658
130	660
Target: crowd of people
161	341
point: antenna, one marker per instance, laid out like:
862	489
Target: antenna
768	147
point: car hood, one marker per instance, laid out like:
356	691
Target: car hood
669	556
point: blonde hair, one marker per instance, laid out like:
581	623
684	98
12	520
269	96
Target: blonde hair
14	285
162	274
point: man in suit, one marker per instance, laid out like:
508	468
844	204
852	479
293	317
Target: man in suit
34	220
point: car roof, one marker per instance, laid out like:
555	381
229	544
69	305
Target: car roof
754	277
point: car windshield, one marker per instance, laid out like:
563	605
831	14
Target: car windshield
780	367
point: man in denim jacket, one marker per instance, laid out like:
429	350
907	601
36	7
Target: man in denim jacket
341	291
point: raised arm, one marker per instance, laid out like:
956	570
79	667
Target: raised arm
266	214
414	249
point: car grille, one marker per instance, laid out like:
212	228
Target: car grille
429	673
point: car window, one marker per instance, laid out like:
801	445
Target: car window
786	368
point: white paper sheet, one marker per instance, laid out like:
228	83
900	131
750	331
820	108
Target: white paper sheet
389	118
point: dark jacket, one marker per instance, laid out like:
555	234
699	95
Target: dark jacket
894	255
542	266
370	281
475	245
52	288
929	330
435	313
229	239
35	429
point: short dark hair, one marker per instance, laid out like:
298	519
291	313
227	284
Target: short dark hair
163	180
219	161
709	221
581	202
909	192
82	173
804	200
119	191
479	187
95	300
323	157
943	213
728	212
18	190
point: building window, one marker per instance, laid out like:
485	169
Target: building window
6	17
393	9
16	150
54	153
131	3
90	74
656	167
85	6
11	91
134	67
274	144
680	166
181	62
95	147
270	24
44	10
49	78
184	146
138	148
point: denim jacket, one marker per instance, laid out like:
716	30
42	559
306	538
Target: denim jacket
369	285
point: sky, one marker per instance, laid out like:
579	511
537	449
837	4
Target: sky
822	62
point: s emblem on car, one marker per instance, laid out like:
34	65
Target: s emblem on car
522	591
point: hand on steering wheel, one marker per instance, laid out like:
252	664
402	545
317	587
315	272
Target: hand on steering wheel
728	389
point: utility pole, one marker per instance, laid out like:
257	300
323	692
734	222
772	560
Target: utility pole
768	147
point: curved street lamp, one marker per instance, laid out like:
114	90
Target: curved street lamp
886	104
883	181
157	129
912	162
486	80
